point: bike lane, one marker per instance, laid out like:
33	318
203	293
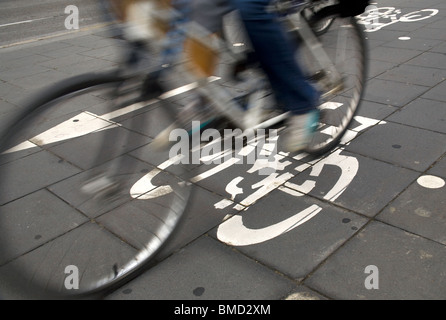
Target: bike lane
360	223
312	227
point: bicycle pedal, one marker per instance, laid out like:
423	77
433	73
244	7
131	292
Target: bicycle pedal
338	87
317	76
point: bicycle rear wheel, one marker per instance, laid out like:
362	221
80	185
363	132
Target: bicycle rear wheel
85	201
344	45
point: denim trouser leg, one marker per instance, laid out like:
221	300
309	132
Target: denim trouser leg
276	55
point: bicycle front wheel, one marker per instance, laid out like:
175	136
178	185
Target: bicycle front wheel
342	85
85	201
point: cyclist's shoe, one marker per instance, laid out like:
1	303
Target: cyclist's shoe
300	130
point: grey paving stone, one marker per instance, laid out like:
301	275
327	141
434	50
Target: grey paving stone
32	173
440	5
68	109
437	93
64	51
129	169
419	210
206	270
13	94
439	168
441	48
362	186
82	247
414	74
393	55
6	107
149	120
139	221
26	60
91	65
199	218
376	67
65	61
34	220
373	43
302	242
391	92
389	35
14	53
429	59
439	23
405	146
422	113
409	267
21	97
40	80
89	41
374	110
101	53
21	72
49	46
428	33
414	44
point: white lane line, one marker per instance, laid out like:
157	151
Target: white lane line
21	22
87	122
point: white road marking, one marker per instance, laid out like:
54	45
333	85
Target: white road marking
22	22
431	182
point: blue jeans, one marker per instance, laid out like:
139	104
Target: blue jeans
276	55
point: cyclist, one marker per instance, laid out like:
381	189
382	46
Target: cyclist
276	55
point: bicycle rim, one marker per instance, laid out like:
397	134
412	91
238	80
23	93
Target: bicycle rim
344	44
85	200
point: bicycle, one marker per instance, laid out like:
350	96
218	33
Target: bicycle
116	205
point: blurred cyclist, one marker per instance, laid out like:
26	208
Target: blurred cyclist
276	55
272	49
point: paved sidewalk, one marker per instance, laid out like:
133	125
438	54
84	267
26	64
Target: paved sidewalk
388	221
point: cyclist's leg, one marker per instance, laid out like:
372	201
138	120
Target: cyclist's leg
276	54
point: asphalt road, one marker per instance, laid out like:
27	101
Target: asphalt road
24	20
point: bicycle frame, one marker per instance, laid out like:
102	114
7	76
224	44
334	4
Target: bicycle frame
198	62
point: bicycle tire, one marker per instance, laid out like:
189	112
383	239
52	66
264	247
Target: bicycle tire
61	239
344	43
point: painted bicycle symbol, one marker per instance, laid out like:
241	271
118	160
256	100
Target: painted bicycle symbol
233	231
375	18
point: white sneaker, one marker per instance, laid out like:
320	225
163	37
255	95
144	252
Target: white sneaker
300	130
